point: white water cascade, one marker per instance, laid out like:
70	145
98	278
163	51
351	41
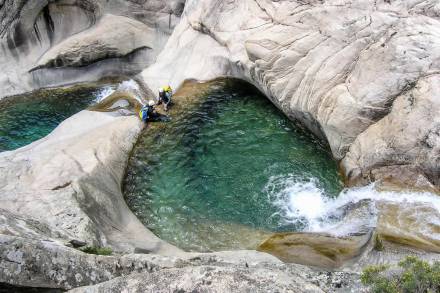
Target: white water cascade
305	202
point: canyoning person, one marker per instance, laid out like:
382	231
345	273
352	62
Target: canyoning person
165	94
148	113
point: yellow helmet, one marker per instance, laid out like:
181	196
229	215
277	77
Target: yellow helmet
167	88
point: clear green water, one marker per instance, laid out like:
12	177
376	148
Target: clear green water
27	118
198	182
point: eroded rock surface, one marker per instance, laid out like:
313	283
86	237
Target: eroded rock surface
70	181
112	37
208	279
315	249
360	75
52	43
363	76
50	264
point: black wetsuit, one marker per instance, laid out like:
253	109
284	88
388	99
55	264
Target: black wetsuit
150	115
165	98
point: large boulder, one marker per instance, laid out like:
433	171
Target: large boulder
112	37
314	249
405	142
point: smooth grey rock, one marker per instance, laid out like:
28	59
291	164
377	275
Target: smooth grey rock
207	279
112	37
71	182
49	264
408	137
360	75
338	67
118	45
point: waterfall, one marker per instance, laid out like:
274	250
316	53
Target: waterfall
305	202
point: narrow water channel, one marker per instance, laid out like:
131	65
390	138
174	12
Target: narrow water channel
27	118
207	179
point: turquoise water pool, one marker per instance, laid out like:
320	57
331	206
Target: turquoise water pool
27	118
201	181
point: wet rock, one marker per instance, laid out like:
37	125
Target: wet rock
321	250
117	101
341	240
354	219
361	75
415	225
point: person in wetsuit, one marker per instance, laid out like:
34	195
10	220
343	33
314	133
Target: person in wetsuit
165	94
148	113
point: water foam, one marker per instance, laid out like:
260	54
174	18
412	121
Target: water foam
104	93
130	86
306	203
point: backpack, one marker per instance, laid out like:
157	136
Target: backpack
143	114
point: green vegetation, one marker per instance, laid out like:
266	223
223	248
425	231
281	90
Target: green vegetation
413	276
97	250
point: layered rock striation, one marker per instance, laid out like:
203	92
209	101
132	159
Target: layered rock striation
363	76
52	43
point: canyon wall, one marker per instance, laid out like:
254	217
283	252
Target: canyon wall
52	43
363	75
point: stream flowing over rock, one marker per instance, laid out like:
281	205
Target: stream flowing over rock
363	76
